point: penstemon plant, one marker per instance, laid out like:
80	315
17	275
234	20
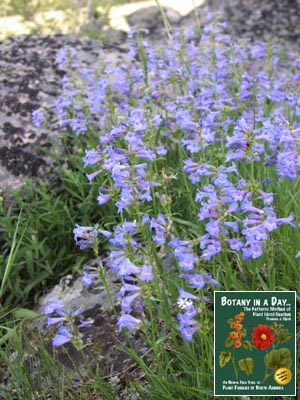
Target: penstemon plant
197	147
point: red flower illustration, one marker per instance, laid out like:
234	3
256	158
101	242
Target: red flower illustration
262	337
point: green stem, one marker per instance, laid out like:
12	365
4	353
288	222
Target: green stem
266	377
102	275
236	371
191	200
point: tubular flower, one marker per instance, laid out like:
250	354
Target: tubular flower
63	336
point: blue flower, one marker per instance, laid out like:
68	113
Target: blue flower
127	321
126	267
53	321
235	244
92	175
127	287
211	280
85	236
88	278
66	56
183	295
92	157
103	196
188	331
38	118
187	261
127	300
63	336
215	247
187	325
198	281
53	306
146	273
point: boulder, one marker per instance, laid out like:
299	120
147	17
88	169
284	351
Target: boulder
101	334
151	18
30	77
30	80
267	20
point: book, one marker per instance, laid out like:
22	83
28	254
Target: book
255	343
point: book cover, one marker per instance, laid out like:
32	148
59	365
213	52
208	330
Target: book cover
255	343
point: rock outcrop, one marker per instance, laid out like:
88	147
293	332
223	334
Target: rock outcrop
30	78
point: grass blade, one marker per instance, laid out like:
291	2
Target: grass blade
12	254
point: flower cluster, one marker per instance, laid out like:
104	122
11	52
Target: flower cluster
68	330
237	325
134	275
187	325
235	220
236	339
212	116
87	236
38	118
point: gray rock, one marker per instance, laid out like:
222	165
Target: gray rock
267	20
151	18
100	337
30	80
113	36
200	14
152	21
74	294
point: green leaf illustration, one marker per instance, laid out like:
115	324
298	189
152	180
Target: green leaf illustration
224	358
231	321
229	342
276	326
278	358
246	365
247	345
283	336
243	332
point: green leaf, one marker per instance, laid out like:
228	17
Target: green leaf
16	243
5	338
243	332
276	326
246	365
24	313
224	358
283	336
10	334
229	342
247	345
278	358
